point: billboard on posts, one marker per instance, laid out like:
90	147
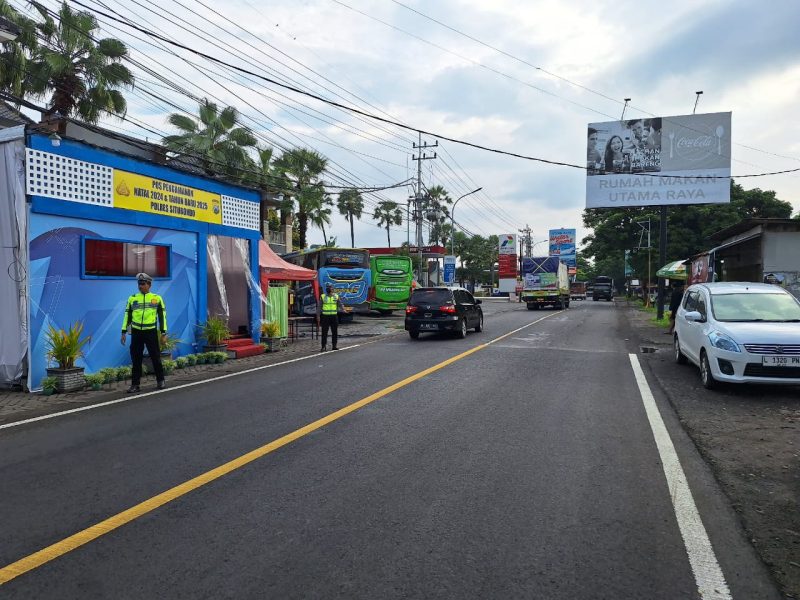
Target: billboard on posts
562	245
659	161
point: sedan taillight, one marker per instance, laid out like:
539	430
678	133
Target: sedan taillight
448	308
411	309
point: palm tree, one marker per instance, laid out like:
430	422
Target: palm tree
14	55
319	208
214	140
303	167
388	213
82	76
351	205
437	212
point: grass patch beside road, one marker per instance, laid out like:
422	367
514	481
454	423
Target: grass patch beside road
662	322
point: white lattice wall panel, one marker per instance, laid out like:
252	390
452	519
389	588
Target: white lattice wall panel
55	176
239	213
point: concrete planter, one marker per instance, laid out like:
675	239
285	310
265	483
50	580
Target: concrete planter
68	380
273	344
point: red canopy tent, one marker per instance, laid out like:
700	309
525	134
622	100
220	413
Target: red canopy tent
273	268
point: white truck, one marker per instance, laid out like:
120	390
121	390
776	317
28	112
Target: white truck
545	282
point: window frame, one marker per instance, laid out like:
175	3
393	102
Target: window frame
84	275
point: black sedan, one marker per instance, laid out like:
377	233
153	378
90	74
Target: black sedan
438	309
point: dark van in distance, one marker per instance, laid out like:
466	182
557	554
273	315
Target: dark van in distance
603	288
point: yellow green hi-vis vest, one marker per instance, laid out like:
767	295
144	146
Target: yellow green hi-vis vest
330	304
145	311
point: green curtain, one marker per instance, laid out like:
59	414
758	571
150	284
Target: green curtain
278	307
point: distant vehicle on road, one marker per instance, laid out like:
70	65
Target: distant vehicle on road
577	290
439	309
739	333
603	288
391	282
347	269
545	282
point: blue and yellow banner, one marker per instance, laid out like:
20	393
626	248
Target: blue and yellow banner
157	196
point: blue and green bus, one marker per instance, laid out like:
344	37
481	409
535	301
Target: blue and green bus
391	282
347	269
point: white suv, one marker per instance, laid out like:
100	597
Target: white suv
739	333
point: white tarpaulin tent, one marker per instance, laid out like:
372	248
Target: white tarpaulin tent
13	257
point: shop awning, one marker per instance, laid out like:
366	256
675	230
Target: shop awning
275	268
673	270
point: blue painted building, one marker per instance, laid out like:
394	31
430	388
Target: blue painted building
90	219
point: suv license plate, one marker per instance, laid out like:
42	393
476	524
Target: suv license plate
780	361
428	326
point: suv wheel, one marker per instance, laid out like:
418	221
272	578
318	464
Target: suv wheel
706	376
479	326
462	332
680	357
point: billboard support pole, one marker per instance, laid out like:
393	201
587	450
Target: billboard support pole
662	257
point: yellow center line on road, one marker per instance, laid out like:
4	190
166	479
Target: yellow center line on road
54	551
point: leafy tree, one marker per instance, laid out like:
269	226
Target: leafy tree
388	213
351	205
304	168
80	76
215	140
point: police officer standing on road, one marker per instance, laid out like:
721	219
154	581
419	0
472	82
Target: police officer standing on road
146	315
329	305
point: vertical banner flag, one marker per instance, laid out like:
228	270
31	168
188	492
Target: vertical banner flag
562	245
449	269
659	161
507	256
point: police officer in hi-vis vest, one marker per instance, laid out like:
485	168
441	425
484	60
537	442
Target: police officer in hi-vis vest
329	306
146	315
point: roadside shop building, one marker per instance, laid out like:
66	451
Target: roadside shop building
757	250
78	221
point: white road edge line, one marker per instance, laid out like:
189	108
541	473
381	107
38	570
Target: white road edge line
170	389
707	572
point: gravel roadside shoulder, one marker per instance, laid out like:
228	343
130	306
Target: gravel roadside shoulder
749	436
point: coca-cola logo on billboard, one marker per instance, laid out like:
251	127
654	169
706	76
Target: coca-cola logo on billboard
698	144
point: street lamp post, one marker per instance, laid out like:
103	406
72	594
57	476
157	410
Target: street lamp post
453	220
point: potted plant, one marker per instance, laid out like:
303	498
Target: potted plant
49	385
95	381
191	359
167	347
65	347
270	335
109	374
124	373
169	366
181	362
215	332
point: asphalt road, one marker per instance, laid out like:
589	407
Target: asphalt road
524	469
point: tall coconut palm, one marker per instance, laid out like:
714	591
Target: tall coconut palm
215	140
304	168
351	205
14	55
437	211
319	208
82	77
388	213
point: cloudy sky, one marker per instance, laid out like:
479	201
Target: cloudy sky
520	76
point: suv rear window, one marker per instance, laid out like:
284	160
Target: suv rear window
431	297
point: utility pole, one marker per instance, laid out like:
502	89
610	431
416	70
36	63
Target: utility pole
525	245
419	199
